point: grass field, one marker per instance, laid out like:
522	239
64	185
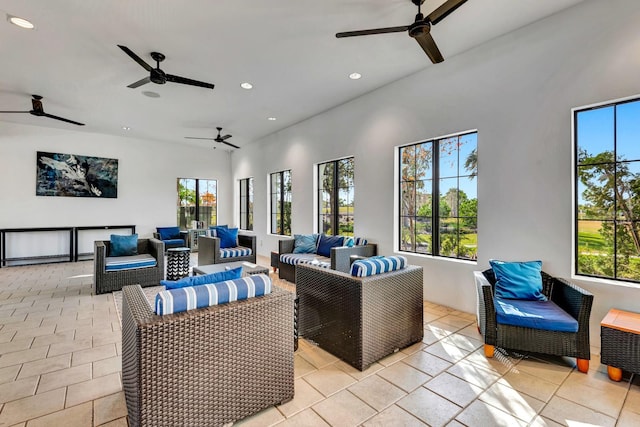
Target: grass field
590	239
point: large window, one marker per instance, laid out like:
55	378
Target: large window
607	203
246	204
335	197
439	197
197	201
280	192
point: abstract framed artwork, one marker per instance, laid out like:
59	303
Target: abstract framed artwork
71	175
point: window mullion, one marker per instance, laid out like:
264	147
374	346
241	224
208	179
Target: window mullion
435	199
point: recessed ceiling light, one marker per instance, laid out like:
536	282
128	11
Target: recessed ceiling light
246	85
20	22
126	128
272	119
355	76
151	94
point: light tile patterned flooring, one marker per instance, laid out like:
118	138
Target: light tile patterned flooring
60	365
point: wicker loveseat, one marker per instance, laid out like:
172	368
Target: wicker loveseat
209	366
105	281
339	259
209	251
360	319
573	300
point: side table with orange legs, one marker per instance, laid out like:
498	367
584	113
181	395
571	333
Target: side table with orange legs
620	339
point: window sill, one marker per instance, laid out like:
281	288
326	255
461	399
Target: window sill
601	281
437	258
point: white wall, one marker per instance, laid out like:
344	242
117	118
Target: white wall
518	91
147	173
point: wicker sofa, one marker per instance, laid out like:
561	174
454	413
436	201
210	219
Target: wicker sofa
209	366
574	300
109	281
360	319
209	251
340	259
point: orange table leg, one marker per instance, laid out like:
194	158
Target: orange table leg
615	374
583	365
489	350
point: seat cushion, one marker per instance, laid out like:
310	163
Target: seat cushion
221	276
129	262
534	314
518	280
167	233
192	297
235	252
123	245
295	259
377	265
173	243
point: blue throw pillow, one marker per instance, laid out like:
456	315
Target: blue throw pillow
213	229
123	245
305	243
327	242
228	237
205	279
518	280
349	242
168	233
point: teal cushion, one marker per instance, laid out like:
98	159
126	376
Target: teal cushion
305	243
518	280
204	279
123	245
213	229
327	242
167	233
228	237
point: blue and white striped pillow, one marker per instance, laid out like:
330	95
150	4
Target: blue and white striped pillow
189	298
360	241
377	265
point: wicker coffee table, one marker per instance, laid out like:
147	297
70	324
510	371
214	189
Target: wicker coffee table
247	268
620	350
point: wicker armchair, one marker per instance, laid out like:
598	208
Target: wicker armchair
209	250
340	257
360	319
109	281
209	366
575	301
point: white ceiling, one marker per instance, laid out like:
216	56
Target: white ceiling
285	48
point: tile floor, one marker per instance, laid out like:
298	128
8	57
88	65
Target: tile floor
60	364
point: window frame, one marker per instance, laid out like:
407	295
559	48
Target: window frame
280	203
335	208
434	179
197	201
246	210
615	279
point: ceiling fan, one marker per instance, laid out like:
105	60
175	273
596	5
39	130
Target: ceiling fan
156	75
419	30
218	138
39	111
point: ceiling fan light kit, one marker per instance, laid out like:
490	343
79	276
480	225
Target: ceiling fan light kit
420	30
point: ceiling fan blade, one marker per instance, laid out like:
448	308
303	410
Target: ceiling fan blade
230	144
429	46
14	111
445	10
372	31
51	116
194	137
186	81
136	58
140	82
225	137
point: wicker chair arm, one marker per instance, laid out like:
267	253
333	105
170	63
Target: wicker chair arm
247	241
156	249
208	250
285	246
340	255
486	311
572	299
100	253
